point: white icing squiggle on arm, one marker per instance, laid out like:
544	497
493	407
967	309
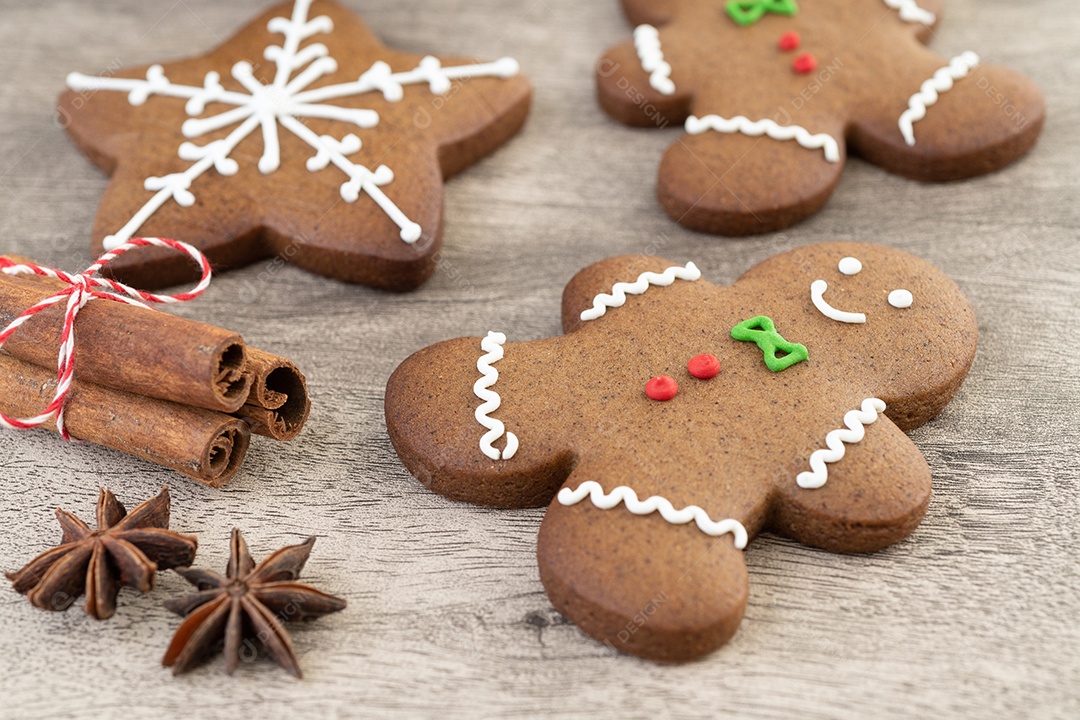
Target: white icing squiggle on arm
493	346
622	494
928	94
617	298
911	12
647	44
856	420
757	128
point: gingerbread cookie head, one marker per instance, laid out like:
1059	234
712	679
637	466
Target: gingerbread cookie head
774	94
302	137
675	420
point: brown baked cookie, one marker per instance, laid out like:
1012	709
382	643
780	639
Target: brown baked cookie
675	420
774	94
302	137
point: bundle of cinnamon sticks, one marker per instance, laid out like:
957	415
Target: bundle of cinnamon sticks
179	393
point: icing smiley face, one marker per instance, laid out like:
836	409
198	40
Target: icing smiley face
850	266
675	420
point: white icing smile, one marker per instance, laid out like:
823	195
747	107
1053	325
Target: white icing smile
817	294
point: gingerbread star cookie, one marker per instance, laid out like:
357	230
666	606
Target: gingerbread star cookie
774	95
676	420
302	137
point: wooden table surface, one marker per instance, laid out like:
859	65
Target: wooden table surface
975	616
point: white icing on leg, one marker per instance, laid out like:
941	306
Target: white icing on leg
622	494
928	94
492	345
617	298
757	128
856	420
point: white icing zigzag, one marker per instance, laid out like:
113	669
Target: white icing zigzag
647	43
617	298
286	102
493	346
942	81
911	12
855	432
742	124
622	494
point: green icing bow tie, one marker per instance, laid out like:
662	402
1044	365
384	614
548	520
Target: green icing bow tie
762	332
748	12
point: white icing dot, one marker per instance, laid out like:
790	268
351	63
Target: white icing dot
850	266
901	299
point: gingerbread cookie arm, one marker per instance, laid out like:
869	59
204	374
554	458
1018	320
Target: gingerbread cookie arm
954	118
863	494
637	85
454	417
641	583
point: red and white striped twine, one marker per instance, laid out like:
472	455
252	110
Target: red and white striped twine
81	290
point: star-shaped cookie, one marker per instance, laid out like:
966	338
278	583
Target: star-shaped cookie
302	137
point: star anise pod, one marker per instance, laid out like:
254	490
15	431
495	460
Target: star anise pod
126	550
248	601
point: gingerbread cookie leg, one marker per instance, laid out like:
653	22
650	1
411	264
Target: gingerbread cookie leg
742	175
641	584
864	488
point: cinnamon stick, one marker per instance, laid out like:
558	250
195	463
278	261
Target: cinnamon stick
131	349
204	445
278	404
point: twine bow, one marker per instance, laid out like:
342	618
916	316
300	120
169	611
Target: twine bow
82	288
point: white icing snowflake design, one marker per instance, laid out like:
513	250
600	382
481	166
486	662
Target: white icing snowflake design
282	103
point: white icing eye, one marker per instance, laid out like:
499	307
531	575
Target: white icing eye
850	266
901	299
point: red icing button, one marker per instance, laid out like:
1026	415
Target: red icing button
804	64
790	41
704	367
662	388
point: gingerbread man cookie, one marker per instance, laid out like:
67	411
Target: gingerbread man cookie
774	94
302	137
676	420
